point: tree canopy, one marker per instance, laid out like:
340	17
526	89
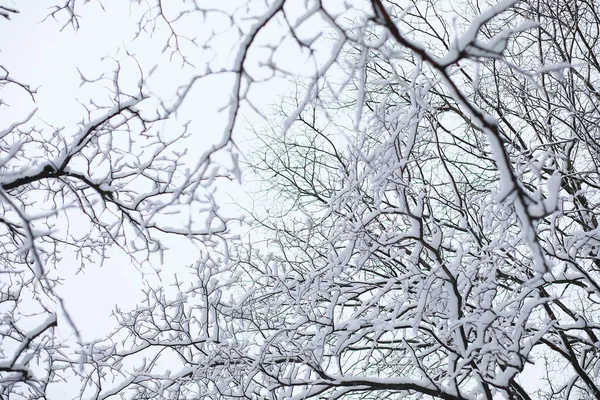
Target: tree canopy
422	218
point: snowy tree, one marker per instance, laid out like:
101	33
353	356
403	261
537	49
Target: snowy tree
452	243
425	224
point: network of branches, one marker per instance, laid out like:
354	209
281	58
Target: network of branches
424	213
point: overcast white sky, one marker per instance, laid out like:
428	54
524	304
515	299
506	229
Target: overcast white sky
52	60
41	55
